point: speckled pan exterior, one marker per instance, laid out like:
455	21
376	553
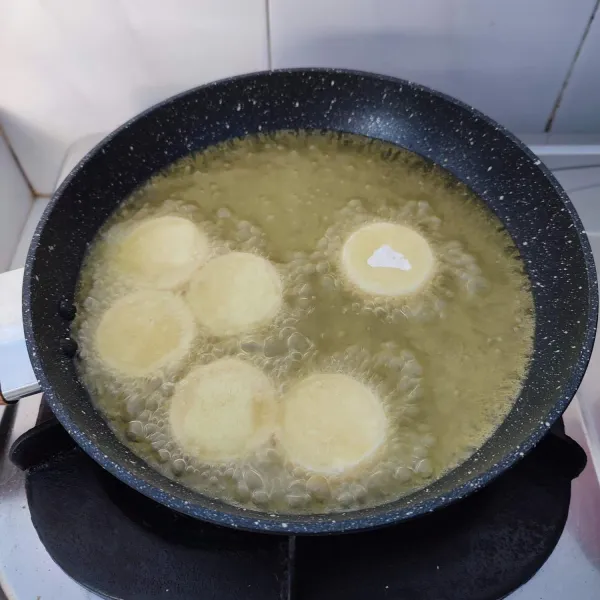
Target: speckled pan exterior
500	169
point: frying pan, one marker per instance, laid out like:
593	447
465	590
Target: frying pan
494	164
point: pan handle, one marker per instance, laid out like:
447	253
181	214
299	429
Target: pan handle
14	395
17	379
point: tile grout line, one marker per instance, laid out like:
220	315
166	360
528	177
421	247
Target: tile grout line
571	69
268	24
26	236
11	150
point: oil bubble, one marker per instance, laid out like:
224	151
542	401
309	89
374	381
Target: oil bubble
297	500
345	499
260	497
403	474
242	492
299	220
178	466
253	480
135	431
318	486
424	467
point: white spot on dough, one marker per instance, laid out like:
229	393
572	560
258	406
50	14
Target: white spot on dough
387	257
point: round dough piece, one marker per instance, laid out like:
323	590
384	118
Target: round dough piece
235	293
386	259
143	332
161	253
331	423
223	410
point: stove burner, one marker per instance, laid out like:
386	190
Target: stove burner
120	544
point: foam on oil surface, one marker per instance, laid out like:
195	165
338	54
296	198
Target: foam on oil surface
446	362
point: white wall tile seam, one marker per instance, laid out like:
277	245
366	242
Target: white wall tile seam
268	30
18	164
15	203
571	69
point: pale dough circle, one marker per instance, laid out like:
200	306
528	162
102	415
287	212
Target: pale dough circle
331	423
235	293
143	332
223	410
161	253
386	259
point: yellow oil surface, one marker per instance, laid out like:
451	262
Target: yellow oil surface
444	361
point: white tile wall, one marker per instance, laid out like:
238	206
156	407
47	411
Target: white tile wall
20	253
507	58
579	110
15	202
68	69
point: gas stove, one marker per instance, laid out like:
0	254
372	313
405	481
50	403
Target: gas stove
123	545
530	535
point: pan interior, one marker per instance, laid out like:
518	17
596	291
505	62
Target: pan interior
364	323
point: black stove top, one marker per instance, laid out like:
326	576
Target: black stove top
120	544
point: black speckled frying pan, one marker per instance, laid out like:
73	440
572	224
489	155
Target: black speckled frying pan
495	165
